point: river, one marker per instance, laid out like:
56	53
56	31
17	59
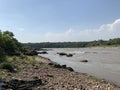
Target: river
103	63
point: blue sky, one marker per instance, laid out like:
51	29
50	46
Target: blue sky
60	20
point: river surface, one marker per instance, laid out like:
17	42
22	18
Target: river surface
103	63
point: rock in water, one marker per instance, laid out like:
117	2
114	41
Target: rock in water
69	55
84	61
70	69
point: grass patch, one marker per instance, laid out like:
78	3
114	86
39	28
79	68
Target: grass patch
20	62
17	62
8	66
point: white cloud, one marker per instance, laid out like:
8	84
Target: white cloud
105	31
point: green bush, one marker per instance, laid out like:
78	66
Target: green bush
2	58
8	66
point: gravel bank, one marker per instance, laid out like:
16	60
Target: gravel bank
45	76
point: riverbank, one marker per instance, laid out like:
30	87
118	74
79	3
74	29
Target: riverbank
47	75
106	47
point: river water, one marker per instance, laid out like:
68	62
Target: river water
103	63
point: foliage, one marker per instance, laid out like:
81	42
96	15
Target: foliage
2	55
2	58
10	44
7	65
115	41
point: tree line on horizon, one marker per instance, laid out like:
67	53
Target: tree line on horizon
110	42
8	43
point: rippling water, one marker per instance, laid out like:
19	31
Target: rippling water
102	63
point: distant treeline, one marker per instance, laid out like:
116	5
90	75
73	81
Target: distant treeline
110	42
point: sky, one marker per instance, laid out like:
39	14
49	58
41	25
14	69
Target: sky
61	20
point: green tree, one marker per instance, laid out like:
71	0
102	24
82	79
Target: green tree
9	43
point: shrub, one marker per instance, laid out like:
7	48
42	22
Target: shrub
2	58
8	66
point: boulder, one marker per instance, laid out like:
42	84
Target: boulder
57	66
31	53
69	55
69	68
84	61
65	54
50	63
2	85
42	52
16	84
63	66
62	54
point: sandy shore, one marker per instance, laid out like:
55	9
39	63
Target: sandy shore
46	75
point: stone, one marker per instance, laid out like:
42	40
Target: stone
31	53
84	61
62	54
16	84
42	52
69	55
70	69
57	66
63	66
50	63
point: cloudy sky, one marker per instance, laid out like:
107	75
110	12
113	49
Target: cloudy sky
61	20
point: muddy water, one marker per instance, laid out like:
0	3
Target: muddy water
103	63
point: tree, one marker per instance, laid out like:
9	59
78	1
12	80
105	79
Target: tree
9	43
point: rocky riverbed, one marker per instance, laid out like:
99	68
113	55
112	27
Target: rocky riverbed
47	75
